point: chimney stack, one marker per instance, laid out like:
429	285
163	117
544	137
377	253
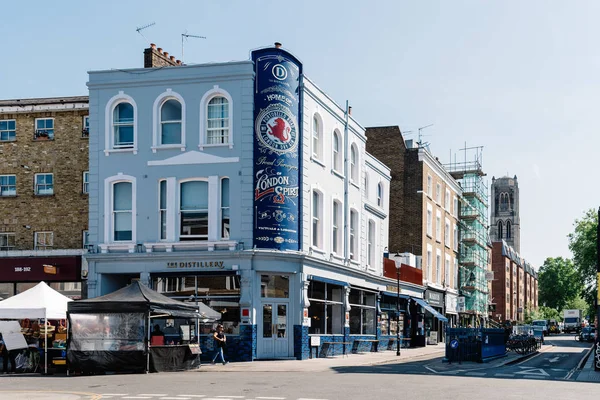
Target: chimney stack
277	45
349	110
155	58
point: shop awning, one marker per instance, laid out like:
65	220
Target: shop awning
327	280
394	295
426	306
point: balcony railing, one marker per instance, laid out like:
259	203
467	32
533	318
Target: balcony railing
43	134
85	133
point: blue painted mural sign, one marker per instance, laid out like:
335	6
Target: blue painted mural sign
277	150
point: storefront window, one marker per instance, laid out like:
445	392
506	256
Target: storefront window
389	315
326	311
275	286
220	293
362	312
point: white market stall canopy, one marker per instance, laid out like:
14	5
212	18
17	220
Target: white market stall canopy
41	301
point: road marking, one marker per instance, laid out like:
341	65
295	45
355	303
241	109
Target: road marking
114	394
153	394
303	398
191	395
136	397
431	369
270	398
528	359
505	375
533	372
555	359
232	397
476	373
175	398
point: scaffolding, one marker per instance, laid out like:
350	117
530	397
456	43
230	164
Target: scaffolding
473	226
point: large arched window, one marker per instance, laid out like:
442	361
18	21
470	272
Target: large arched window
216	119
120	124
353	163
169	121
337	153
317	141
504	202
500	230
508	230
194	210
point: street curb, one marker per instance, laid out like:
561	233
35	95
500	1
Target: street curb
585	358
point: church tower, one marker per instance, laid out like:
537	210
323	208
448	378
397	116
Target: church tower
505	222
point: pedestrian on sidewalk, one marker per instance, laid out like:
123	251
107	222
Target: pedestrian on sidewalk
6	355
221	342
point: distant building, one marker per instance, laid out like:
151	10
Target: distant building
505	221
44	184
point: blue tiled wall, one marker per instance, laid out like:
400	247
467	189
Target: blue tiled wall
240	347
301	342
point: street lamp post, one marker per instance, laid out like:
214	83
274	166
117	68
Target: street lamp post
398	265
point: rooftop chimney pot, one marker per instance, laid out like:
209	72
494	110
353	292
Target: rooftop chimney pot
349	110
159	50
277	45
178	62
166	54
172	58
153	46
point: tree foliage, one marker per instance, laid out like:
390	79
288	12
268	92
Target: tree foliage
542	312
559	283
582	243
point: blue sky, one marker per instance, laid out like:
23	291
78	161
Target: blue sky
519	78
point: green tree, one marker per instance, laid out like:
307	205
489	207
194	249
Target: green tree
582	243
559	283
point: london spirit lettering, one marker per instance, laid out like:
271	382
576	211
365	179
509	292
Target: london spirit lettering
196	264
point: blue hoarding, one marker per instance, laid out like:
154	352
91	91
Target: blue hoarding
277	149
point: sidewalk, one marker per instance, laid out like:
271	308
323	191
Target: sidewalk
439	366
324	364
588	374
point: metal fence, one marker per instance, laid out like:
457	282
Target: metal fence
474	344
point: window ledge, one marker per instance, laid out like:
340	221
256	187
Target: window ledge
335	256
355	184
355	262
43	195
8	141
8	196
107	247
192	245
317	161
133	150
202	146
317	250
168	147
338	174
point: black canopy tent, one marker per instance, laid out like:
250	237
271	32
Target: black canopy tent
112	332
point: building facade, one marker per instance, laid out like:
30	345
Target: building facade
43	193
241	185
424	220
505	221
514	285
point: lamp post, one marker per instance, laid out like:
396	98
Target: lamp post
398	265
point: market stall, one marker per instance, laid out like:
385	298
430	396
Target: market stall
36	307
118	332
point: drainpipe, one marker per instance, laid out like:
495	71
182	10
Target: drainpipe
346	187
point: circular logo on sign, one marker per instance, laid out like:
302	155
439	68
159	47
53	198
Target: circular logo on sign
279	72
454	344
276	129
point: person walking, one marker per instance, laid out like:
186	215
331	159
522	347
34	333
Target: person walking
221	342
6	355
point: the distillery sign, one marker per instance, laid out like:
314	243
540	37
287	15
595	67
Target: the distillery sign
277	133
196	264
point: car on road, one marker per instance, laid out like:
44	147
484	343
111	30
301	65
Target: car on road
553	327
541	323
587	334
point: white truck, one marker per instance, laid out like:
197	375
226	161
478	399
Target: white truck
572	320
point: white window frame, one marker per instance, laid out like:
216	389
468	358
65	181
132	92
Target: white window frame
162	98
337	154
438	193
455	242
438	226
35	184
429	263
455	283
216	91
429	221
336	227
85	238
366	184
354	164
222	208
447	200
447	268
46	235
109	131
6	235
85	130
438	266
317	135
163	212
371	233
108	207
35	137
211	221
429	186
316	226
447	233
380	194
4	188
85	186
354	233
455	209
8	131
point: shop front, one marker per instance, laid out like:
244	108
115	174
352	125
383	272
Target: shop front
395	317
452	309
62	273
434	317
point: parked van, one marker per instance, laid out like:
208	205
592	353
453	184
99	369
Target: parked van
543	323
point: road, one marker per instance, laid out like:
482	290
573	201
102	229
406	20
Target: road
544	376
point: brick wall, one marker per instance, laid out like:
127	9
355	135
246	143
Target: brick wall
66	211
155	58
499	282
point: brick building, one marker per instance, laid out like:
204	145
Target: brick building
43	193
423	217
515	284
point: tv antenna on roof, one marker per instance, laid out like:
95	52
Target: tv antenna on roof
141	28
185	36
420	141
